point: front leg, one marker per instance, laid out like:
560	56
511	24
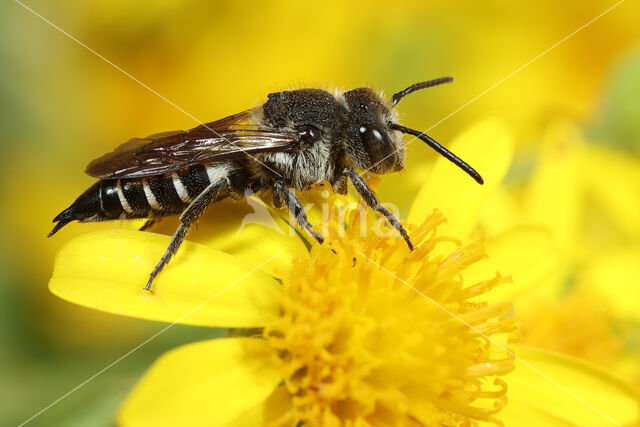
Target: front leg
369	196
282	192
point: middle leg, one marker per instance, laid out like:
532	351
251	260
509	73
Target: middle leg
283	192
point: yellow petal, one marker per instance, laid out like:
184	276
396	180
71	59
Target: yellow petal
617	277
108	269
529	414
488	148
595	388
528	254
500	212
249	230
555	196
209	383
255	242
271	411
410	180
613	178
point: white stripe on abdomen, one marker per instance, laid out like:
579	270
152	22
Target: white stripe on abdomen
123	200
180	188
151	198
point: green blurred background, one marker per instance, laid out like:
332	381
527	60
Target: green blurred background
62	106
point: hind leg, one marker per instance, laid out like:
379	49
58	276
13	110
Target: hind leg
148	224
188	217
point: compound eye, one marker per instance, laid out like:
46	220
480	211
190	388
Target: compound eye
378	145
371	135
309	134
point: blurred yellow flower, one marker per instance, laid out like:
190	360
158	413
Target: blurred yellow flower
488	145
578	324
556	223
360	330
587	196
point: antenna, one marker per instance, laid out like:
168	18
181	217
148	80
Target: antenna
417	86
439	148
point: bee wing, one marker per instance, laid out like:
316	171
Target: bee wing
166	152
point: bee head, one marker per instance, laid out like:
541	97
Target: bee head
374	139
371	143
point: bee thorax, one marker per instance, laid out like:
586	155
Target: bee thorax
301	169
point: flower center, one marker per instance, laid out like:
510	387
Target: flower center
357	345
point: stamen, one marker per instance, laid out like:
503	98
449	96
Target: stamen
358	347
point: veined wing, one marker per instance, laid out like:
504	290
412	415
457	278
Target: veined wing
166	152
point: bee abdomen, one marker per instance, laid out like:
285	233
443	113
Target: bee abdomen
161	195
196	179
133	199
110	205
155	196
166	194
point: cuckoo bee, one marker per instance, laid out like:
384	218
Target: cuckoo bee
295	139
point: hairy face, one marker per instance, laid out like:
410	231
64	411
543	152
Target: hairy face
371	144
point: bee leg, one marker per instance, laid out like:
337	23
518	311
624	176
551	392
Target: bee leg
188	217
340	185
277	199
295	208
369	196
148	224
176	241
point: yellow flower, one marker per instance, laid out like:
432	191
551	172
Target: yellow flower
359	331
585	325
587	196
356	344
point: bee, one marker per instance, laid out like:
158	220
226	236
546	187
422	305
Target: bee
296	139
